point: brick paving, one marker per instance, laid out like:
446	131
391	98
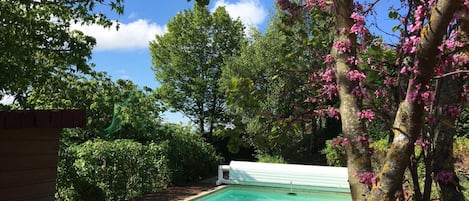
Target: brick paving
181	192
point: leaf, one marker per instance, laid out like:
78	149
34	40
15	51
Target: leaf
371	76
393	15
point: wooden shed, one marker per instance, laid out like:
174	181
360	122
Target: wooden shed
29	144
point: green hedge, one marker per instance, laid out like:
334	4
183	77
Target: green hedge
122	169
190	157
113	170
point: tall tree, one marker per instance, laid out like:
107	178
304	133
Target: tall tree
37	42
267	85
188	63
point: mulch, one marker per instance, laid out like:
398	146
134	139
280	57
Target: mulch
180	192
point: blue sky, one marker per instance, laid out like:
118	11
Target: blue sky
124	53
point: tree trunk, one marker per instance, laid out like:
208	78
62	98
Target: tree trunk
409	118
450	88
358	157
444	133
201	119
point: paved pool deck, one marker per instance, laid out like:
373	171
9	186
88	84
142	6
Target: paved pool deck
185	192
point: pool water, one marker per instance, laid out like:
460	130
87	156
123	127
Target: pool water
250	193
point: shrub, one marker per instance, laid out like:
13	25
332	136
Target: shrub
121	169
190	157
335	155
112	170
264	158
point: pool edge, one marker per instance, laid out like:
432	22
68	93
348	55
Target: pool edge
203	193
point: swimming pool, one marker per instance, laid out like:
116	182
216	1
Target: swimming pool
251	193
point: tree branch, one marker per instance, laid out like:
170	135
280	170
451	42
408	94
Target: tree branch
451	73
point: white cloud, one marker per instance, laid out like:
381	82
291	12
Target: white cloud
131	36
250	12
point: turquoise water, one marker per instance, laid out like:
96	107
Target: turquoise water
248	193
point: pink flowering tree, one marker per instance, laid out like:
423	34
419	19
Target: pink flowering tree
416	85
419	88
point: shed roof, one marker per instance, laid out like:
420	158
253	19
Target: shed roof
42	119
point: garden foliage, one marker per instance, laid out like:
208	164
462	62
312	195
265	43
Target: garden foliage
122	169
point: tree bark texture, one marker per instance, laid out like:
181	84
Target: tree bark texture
450	90
408	122
358	157
443	139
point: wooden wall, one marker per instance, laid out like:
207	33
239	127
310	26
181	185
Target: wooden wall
29	145
28	163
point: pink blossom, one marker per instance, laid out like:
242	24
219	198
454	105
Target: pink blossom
321	4
358	61
377	93
343	31
389	81
431	3
431	119
358	26
336	142
361	92
422	143
415	67
403	70
351	60
329	59
427	96
415	27
380	93
345	142
420	13
331	90
343	46
440	68
367	178
359	7
410	44
450	44
366	114
328	75
460	59
310	100
355	75
444	177
413	95
452	111
363	140
333	112
464	94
